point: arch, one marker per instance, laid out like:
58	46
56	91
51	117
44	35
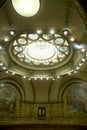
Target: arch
67	85
16	85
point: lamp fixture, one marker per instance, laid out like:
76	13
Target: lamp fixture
12	32
6	38
39	31
72	39
65	32
26	8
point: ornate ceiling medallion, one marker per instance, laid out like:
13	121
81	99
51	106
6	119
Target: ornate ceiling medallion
42	55
40	52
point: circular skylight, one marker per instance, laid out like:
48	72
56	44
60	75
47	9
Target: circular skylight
26	8
40	50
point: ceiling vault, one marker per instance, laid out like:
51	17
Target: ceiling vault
43	64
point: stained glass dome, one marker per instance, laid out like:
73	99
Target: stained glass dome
37	51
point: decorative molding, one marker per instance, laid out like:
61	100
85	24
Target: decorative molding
67	13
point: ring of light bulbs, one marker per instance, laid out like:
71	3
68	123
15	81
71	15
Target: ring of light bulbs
47	38
40	52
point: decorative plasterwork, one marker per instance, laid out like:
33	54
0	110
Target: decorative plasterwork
42	55
40	52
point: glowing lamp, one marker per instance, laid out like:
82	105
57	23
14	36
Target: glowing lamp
26	8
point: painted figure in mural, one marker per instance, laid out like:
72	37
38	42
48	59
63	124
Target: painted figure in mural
7	98
77	99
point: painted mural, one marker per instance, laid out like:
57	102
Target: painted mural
7	98
77	99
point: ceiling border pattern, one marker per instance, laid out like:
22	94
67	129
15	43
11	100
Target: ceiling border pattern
67	13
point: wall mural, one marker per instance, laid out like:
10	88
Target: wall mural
77	99
7	98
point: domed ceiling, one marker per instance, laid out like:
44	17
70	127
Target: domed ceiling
47	45
43	64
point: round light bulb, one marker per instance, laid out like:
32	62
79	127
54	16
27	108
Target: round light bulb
26	8
6	38
65	32
12	32
39	31
52	31
72	39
